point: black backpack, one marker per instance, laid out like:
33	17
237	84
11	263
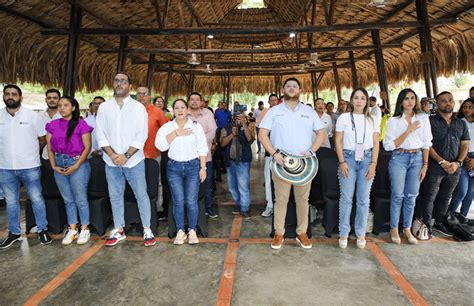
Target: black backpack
458	225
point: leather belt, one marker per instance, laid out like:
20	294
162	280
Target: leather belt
408	151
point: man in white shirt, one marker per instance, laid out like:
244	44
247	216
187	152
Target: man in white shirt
205	118
256	114
293	126
96	151
319	107
22	134
374	108
122	129
51	113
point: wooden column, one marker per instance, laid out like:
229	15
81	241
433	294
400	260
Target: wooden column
168	85
69	88
314	85
122	56
336	81
355	82
426	44
149	74
191	83
382	75
277	84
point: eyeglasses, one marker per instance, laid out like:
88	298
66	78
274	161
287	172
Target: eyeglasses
120	81
144	94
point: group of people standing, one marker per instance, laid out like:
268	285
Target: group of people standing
123	132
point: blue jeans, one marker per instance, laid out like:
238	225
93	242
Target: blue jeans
238	180
404	170
209	184
135	177
183	179
73	189
356	179
31	179
464	193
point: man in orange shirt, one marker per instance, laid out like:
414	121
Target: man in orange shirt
156	119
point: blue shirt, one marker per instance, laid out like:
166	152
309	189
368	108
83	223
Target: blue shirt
223	117
292	130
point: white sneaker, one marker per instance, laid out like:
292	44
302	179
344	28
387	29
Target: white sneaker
268	212
192	237
69	236
361	243
180	238
343	243
84	236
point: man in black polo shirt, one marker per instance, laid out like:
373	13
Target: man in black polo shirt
450	146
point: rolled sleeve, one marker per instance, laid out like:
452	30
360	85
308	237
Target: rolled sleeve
267	121
389	140
142	130
202	147
160	141
317	123
427	135
102	140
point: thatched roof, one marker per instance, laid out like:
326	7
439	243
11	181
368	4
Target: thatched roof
28	56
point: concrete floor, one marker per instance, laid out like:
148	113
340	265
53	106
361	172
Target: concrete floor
245	271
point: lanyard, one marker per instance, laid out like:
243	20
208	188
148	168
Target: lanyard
355	130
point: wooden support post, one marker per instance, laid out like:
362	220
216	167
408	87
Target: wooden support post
314	85
191	83
122	56
355	82
336	81
72	51
149	74
382	75
168	86
426	44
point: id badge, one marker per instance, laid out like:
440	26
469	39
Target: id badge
359	152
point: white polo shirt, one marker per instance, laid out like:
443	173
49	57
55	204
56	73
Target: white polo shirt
19	146
292	130
327	121
122	128
46	119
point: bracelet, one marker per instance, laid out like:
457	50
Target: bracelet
277	151
441	162
343	162
373	162
204	168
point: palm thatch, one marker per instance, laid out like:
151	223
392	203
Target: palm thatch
28	56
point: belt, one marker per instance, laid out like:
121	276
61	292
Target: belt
408	151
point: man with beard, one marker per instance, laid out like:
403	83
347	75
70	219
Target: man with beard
122	129
272	101
293	127
22	136
51	113
205	118
450	146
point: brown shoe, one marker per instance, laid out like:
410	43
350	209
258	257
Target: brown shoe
304	241
277	242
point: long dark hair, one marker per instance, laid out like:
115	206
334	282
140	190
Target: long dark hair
460	112
76	115
367	105
399	105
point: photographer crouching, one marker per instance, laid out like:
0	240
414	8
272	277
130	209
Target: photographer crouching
236	140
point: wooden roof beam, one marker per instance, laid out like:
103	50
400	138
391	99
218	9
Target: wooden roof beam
247	51
250	31
193	12
156	4
14	13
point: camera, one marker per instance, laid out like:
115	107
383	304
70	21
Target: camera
239	109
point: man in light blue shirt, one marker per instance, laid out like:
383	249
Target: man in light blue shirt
91	121
293	127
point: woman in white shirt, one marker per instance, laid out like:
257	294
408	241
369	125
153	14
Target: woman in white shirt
408	135
187	149
357	148
464	191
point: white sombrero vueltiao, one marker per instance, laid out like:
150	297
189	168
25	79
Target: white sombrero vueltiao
297	169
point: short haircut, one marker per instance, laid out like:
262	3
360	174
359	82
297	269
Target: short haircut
272	95
442	94
317	99
127	75
9	86
99	97
156	99
194	93
330	103
292	79
373	99
260	102
53	90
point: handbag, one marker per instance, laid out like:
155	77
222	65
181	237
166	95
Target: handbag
420	230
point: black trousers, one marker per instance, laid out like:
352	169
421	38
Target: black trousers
164	183
438	187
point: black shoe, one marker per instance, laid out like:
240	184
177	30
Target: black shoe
440	228
236	211
163	219
211	213
246	215
44	238
11	239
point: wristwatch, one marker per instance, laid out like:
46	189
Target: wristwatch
205	168
127	155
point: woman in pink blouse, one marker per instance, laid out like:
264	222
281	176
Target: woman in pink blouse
69	144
